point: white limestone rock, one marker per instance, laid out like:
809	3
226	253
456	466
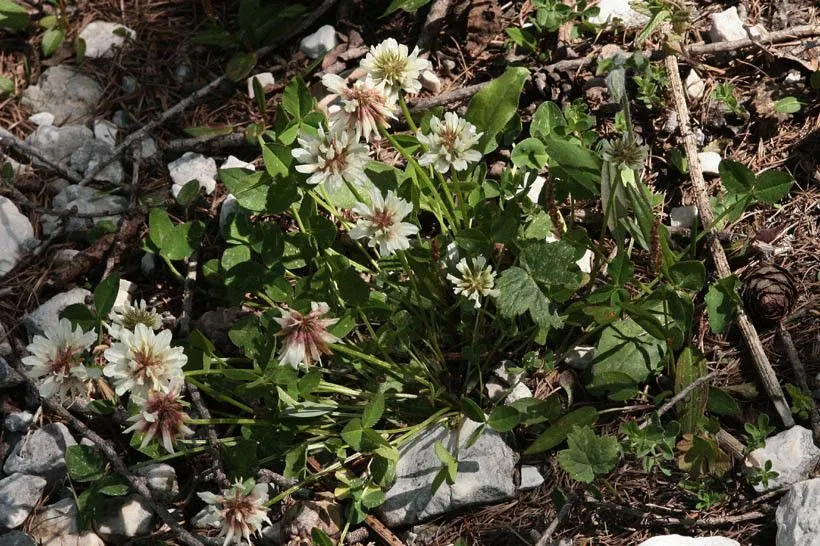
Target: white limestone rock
42	454
233	162
798	515
59	143
619	9
430	82
726	26
193	166
16	235
42	118
793	455
678	540
87	201
320	42
65	92
485	475
531	478
102	38
19	494
265	80
18	421
106	131
128	517
125	293
695	86
46	317
16	538
683	217
161	480
710	162
93	152
56	525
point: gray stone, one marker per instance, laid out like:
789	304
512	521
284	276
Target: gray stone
496	391
530	478
16	234
16	538
65	92
56	525
320	42
5	342
59	143
161	480
430	82
103	38
671	124
148	264
183	73
106	131
193	166
65	256
130	84
93	152
18	421
148	148
87	201
485	475
695	86
580	357
793	76
710	162
42	453
798	515
8	375
265	79
726	26
42	118
683	217
121	119
127	517
233	162
618	9
793	455
229	208
678	540
19	494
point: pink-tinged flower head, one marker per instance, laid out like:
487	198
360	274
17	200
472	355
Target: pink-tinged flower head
305	337
238	512
57	363
450	143
161	415
331	157
365	106
396	67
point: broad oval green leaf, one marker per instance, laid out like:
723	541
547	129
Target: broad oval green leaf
559	430
504	418
495	105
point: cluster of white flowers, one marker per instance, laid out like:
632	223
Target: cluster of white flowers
450	143
140	361
305	337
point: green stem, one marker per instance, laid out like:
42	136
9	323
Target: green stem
229	421
354	191
370	359
447	195
406	111
219	396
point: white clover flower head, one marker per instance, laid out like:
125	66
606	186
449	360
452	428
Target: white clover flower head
162	416
238	512
331	157
381	223
305	337
365	105
126	317
143	360
392	64
477	279
56	363
450	143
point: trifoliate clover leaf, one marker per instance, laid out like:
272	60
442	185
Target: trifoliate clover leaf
552	264
588	454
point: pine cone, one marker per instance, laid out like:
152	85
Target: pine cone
769	293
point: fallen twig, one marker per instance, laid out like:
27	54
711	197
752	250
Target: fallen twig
656	519
33	153
761	362
559	518
802	31
684	392
800	376
182	105
435	18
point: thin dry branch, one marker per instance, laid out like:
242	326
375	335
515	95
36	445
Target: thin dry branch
779	36
544	540
761	362
33	153
182	105
684	392
800	376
